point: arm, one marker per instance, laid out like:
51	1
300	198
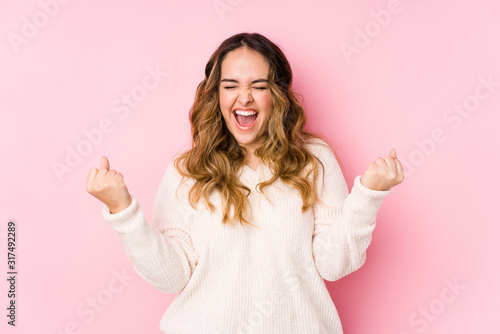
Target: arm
161	254
343	230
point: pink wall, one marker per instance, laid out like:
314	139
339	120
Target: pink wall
416	80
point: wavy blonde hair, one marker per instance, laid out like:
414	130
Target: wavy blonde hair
215	156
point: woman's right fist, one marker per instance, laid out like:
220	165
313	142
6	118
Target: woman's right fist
107	186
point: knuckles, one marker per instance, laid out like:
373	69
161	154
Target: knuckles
104	186
377	173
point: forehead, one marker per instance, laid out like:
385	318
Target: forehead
244	64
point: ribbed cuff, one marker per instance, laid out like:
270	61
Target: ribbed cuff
126	220
367	197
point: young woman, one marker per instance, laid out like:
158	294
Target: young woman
249	222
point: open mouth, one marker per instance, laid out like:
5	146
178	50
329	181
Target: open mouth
245	119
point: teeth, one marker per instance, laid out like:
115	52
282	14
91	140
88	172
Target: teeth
245	113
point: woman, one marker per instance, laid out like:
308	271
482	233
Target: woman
275	217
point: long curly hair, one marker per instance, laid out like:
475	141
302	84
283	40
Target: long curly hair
215	156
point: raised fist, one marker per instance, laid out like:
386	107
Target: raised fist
383	174
107	186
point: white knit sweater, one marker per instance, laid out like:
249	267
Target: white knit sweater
240	279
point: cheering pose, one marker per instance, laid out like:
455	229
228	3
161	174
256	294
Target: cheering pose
251	220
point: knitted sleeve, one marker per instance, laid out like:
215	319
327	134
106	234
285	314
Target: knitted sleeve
162	254
343	229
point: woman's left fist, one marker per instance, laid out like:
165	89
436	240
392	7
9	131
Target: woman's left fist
383	174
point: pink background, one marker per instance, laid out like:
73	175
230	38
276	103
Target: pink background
440	225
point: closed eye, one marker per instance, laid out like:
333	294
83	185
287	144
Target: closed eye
232	87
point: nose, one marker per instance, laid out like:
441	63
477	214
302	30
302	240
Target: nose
245	95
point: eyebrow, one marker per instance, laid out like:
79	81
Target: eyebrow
255	81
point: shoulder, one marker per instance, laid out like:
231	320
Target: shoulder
321	149
329	162
317	144
173	176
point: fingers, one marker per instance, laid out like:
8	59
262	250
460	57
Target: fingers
395	164
110	175
381	162
91	177
399	169
104	173
391	163
104	162
388	170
